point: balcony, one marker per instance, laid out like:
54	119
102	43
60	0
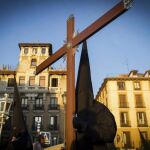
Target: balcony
38	107
142	123
123	105
9	88
125	124
21	88
42	88
53	107
54	89
139	105
25	107
31	88
53	127
34	127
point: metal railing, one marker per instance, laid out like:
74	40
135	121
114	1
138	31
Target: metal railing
125	124
53	127
53	107
38	107
25	106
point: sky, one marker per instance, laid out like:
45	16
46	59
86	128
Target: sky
121	46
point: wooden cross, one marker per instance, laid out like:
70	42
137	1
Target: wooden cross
69	50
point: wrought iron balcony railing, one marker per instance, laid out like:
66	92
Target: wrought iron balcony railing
123	105
142	124
38	107
125	124
53	127
53	107
25	107
139	105
34	127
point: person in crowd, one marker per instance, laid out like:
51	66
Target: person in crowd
38	145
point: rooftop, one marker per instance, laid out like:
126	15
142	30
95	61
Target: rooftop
35	44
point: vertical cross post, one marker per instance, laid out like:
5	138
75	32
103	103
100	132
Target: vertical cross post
70	105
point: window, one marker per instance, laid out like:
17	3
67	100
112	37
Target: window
145	135
54	100
25	50
37	122
54	82
34	50
38	102
32	81
126	140
33	62
124	120
24	102
10	82
42	81
121	85
138	101
122	101
43	50
53	103
25	118
141	119
21	80
2	105
137	85
53	122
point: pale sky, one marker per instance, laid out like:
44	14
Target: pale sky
121	46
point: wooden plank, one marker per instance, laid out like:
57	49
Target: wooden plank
58	72
50	60
85	34
70	105
99	24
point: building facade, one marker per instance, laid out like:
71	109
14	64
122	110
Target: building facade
41	95
128	98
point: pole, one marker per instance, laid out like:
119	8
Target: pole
64	124
70	105
1	126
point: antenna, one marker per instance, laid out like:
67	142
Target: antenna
127	64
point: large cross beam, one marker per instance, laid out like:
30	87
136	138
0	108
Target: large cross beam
69	49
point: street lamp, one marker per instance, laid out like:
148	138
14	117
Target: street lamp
5	105
64	103
64	98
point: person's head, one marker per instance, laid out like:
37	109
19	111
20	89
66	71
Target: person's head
40	139
13	138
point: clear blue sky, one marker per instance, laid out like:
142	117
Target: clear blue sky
121	46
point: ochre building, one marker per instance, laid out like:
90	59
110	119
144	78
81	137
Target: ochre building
128	98
41	95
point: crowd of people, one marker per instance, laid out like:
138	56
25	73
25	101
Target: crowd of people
17	143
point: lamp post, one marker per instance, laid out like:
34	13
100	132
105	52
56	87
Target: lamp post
64	103
5	105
